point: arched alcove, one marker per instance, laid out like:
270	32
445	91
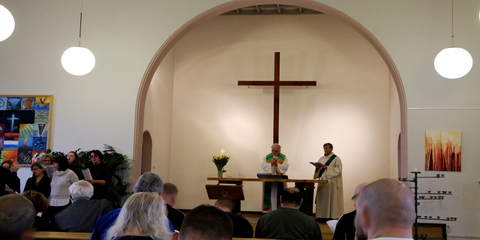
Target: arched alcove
162	57
146	152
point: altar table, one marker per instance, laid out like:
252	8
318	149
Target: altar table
305	185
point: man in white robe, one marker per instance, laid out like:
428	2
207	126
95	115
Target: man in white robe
274	163
330	195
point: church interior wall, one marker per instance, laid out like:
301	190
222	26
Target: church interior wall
124	35
349	107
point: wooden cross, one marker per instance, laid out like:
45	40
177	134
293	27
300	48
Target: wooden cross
276	83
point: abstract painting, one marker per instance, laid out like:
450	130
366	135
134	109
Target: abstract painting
24	127
443	151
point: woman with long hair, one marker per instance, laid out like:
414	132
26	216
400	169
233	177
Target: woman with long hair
74	164
39	181
143	217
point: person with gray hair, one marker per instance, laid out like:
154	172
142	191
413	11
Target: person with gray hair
143	216
17	216
385	209
275	163
147	182
84	212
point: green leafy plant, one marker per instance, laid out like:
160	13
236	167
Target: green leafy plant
117	163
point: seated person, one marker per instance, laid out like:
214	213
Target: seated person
142	218
287	222
17	215
169	195
345	228
40	203
205	223
241	226
82	215
148	182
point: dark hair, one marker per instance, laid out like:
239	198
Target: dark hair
7	161
169	188
292	195
38	165
76	163
98	153
328	144
226	202
206	222
40	202
62	162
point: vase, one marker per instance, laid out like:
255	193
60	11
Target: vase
220	173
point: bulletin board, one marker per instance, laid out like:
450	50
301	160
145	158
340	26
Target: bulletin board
25	124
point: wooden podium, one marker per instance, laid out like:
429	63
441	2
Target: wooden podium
233	187
226	189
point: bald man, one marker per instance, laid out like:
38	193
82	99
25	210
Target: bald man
345	228
385	208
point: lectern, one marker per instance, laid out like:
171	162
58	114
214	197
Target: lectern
233	189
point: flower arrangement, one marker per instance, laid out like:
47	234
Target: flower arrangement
220	162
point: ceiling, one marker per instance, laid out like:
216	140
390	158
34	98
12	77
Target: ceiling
271	9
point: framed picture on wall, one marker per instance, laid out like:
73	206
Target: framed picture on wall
25	123
443	151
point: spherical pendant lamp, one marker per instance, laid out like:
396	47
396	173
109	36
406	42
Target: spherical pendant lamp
7	23
78	61
453	63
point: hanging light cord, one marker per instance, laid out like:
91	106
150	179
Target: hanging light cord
452	27
80	31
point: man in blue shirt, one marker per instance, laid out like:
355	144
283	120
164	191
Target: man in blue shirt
148	182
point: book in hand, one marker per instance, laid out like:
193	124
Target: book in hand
316	163
87	174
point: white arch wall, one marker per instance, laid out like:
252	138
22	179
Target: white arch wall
350	107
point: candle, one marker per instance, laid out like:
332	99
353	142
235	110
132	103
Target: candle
222	152
415	169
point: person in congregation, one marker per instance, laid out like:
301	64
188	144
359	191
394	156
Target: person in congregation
74	164
47	160
40	181
345	228
142	218
148	182
288	222
169	195
13	187
329	203
9	180
101	175
205	223
86	211
16	223
40	203
241	226
275	163
385	209
62	179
